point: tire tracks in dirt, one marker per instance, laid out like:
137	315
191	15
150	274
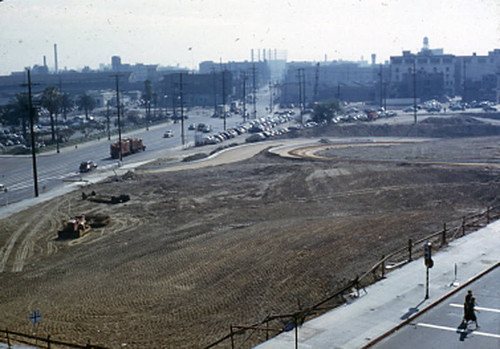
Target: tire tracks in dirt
7	248
28	244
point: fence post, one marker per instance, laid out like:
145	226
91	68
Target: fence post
488	215
8	338
48	341
463	225
410	244
443	236
267	330
383	266
232	339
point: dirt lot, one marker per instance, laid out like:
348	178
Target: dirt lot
195	251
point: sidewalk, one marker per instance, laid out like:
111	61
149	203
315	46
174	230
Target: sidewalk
391	301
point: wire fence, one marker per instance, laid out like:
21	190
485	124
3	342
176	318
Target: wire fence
272	325
11	337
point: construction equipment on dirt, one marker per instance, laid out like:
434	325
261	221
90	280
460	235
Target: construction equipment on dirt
78	226
105	199
129	146
74	228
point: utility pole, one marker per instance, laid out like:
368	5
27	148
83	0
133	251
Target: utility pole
299	76
303	100
254	93
270	97
244	96
118	113
224	96
381	84
182	107
316	83
107	121
415	90
215	91
57	123
32	129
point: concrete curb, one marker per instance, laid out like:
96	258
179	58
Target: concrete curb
430	306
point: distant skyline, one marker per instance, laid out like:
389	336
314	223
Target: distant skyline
88	33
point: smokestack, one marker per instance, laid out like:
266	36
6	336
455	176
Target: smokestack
44	61
252	55
264	54
258	54
55	57
374	58
275	54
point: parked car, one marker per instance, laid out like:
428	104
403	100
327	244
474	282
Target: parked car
87	166
168	134
489	108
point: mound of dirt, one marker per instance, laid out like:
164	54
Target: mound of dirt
454	120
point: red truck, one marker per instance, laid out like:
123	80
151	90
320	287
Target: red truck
129	146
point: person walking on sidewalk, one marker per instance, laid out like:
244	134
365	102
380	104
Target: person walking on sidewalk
469	310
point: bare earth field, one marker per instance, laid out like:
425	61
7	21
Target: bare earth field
195	251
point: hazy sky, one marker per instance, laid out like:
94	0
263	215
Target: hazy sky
162	31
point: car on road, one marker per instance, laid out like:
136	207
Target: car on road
192	127
168	134
489	108
87	166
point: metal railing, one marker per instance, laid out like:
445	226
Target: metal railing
273	325
10	337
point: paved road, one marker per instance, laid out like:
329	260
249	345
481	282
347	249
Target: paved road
442	327
16	172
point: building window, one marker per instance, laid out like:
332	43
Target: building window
422	61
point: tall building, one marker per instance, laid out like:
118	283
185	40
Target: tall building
437	74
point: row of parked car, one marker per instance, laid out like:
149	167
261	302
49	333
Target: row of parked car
265	126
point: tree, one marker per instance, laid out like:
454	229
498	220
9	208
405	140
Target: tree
51	100
16	112
325	111
86	103
147	96
67	104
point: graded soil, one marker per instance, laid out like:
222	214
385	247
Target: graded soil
195	251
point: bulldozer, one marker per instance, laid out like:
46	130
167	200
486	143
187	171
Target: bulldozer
74	228
78	226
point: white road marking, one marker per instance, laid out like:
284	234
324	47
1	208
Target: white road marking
459	330
477	308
